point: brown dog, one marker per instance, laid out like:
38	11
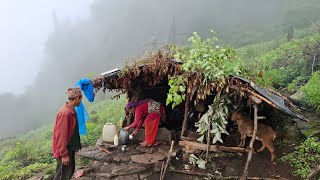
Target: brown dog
264	133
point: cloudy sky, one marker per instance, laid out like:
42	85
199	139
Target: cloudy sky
24	27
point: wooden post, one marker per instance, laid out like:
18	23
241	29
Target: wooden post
186	111
245	172
208	140
164	169
194	146
210	176
255	127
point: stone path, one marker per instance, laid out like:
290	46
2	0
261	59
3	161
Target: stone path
136	163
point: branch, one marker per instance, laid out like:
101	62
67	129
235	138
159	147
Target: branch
255	128
162	173
208	141
318	29
314	172
314	59
191	145
215	176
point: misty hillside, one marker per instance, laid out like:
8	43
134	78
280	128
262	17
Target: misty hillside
31	155
116	30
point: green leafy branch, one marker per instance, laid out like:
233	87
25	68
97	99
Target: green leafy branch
216	118
177	91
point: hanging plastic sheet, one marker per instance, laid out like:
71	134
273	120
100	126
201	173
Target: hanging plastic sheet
87	88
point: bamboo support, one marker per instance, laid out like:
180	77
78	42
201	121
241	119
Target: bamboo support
216	176
255	127
261	97
192	145
208	141
185	119
162	173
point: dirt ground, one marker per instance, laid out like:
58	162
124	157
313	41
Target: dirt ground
220	164
232	164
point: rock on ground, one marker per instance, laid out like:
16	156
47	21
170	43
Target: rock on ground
128	169
148	158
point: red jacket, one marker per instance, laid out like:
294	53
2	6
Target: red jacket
63	130
141	112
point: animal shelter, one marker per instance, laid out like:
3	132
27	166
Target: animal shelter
149	78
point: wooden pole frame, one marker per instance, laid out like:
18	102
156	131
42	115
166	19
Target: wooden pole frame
208	140
186	113
256	101
191	146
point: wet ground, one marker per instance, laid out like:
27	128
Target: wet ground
119	165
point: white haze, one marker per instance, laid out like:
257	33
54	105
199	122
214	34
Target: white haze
24	29
41	56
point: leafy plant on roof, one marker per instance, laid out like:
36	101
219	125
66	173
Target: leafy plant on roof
205	69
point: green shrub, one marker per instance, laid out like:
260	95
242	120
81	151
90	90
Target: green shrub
107	111
311	91
297	83
284	65
24	172
305	157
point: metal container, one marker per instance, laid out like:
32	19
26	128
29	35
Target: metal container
123	136
124	148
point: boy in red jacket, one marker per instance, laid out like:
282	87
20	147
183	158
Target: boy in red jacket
66	138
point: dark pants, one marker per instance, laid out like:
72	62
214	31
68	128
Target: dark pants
65	172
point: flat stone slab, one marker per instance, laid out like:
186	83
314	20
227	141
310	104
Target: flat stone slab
148	150
148	158
145	175
84	178
157	166
175	150
95	165
132	177
95	154
128	169
101	176
124	157
107	168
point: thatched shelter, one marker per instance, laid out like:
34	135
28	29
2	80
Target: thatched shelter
148	78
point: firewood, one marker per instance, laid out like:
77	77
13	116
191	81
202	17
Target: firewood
215	176
103	150
162	173
191	145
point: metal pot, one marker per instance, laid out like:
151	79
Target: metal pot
123	136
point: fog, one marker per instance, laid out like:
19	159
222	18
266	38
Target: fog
65	41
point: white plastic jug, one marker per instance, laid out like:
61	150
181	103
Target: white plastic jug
109	131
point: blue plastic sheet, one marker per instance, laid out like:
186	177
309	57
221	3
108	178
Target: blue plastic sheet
87	88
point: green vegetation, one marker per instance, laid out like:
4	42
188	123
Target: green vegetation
107	111
288	67
311	91
305	157
22	157
285	66
206	67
